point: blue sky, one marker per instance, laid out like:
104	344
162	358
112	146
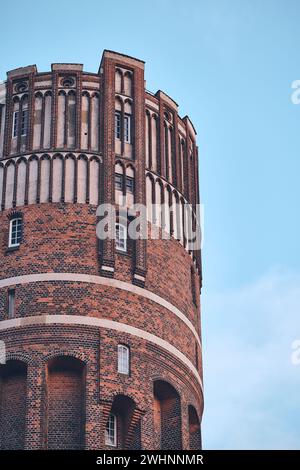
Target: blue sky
230	65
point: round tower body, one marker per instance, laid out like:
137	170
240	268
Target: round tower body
100	338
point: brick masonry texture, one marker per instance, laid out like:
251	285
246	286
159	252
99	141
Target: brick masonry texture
61	381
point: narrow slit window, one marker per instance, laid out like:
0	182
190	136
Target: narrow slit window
11	303
127	128
24	123
15	123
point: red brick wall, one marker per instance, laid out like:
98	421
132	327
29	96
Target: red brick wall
68	407
171	424
65	393
61	238
194	429
12	405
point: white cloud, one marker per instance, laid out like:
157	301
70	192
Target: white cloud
252	389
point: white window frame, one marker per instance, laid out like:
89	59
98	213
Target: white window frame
127	128
123	359
11	303
15	125
19	221
111	431
121	242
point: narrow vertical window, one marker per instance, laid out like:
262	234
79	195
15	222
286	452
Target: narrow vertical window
193	286
129	185
24	122
11	303
111	431
121	237
127	128
196	355
118	125
1	115
15	232
123	359
119	181
15	123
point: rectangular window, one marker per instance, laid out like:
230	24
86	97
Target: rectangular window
119	181
118	125
111	431
129	185
121	237
24	123
11	303
15	123
127	128
15	232
123	359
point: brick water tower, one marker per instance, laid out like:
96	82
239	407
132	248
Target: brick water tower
102	337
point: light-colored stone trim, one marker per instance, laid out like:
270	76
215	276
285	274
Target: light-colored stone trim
101	323
73	277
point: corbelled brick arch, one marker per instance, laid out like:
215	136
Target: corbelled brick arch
61	177
167	412
127	419
69	141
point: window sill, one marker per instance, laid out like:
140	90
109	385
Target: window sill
11	249
125	157
123	253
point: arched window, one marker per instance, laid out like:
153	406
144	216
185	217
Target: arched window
20	117
15	232
111	431
123	359
121	237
